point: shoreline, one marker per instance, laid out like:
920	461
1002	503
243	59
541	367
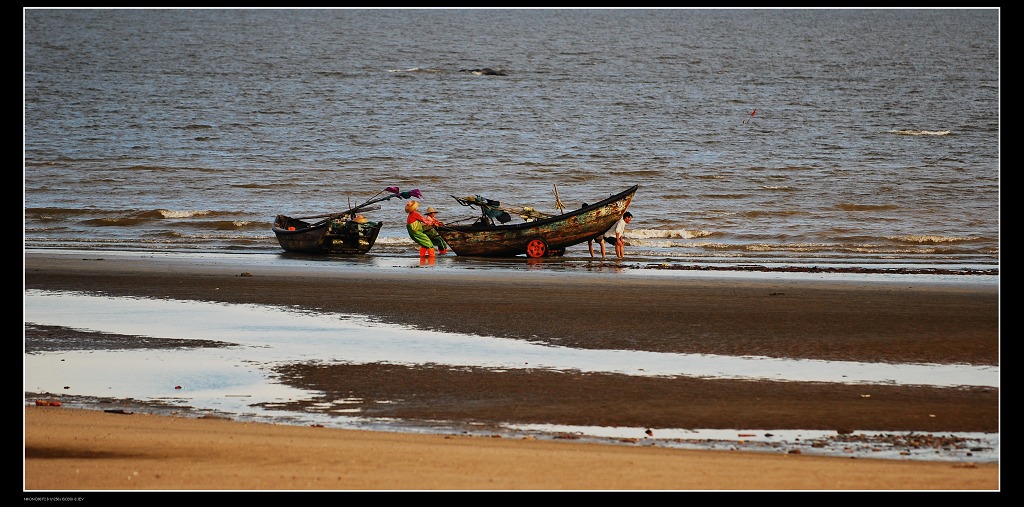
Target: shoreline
848	320
901	320
700	266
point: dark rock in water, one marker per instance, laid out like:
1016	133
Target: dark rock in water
41	338
486	71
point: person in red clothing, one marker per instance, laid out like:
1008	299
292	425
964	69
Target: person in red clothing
431	221
415	226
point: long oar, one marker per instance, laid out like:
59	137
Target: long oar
331	215
394	193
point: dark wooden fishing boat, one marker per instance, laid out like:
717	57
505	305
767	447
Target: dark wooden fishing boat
342	235
539	235
347	232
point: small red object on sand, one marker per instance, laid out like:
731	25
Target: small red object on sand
177	387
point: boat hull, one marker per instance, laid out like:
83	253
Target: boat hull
329	237
538	238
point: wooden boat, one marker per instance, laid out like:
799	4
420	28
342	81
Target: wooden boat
343	235
539	235
347	232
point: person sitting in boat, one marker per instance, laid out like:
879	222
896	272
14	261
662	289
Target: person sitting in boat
431	222
415	226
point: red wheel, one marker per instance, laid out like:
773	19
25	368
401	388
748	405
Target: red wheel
536	248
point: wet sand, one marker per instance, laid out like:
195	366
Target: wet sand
816	319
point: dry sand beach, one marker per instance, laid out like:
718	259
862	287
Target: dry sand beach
90	450
84	450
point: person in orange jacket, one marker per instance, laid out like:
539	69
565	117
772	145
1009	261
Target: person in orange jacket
431	221
415	225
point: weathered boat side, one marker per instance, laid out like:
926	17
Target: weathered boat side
540	237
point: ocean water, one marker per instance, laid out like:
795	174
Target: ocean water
846	137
